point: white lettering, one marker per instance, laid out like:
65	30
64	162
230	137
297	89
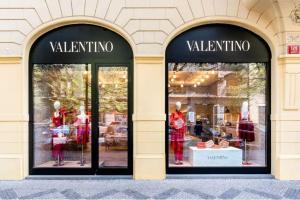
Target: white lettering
53	47
82	46
218	45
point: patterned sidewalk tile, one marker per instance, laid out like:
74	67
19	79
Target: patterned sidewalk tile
230	194
199	194
8	194
167	194
263	194
164	189
292	193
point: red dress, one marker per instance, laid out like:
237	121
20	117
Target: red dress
57	149
82	131
178	127
246	130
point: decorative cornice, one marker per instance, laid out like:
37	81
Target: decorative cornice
289	59
10	60
151	59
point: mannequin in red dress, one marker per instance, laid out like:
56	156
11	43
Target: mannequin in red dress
58	118
246	126
82	125
178	127
246	129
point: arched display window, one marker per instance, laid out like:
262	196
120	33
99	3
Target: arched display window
80	102
218	101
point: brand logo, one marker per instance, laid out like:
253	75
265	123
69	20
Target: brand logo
81	46
218	45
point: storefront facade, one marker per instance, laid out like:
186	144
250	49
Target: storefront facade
65	89
97	87
218	84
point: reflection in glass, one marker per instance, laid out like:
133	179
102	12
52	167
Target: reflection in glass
113	116
62	113
217	114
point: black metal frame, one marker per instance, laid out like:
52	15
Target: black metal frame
95	102
95	130
223	170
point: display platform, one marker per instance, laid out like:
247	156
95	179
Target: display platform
67	164
208	157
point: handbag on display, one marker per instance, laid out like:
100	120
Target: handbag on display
59	140
61	129
209	144
224	144
201	145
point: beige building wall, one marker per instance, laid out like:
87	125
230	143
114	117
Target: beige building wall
148	25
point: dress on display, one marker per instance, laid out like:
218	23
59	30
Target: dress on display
82	130
57	121
246	130
178	126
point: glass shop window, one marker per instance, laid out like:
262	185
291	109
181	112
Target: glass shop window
62	115
217	114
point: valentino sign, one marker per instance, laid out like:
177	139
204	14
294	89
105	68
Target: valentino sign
81	46
218	45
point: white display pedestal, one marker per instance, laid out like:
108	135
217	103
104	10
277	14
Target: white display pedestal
208	157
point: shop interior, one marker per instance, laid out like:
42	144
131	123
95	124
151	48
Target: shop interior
217	114
62	116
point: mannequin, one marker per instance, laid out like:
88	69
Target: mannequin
246	129
246	126
178	128
57	120
82	125
57	117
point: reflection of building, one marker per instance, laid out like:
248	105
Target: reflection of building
146	28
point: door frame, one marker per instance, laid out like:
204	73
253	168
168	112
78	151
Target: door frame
94	169
95	120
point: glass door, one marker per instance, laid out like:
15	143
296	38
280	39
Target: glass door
113	112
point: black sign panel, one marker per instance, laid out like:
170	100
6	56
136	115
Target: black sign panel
218	43
81	44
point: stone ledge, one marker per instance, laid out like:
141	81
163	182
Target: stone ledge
10	60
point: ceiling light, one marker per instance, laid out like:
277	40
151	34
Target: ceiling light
195	85
198	83
181	85
116	85
103	86
202	79
172	80
169	85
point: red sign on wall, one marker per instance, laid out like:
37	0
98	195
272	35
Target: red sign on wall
293	49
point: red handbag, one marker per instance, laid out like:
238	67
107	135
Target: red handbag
201	145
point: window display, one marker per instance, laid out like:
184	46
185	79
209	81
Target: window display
113	116
217	114
80	102
62	112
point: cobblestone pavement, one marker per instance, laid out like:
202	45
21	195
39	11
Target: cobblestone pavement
166	189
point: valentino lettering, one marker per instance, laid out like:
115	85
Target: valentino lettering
81	46
218	45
